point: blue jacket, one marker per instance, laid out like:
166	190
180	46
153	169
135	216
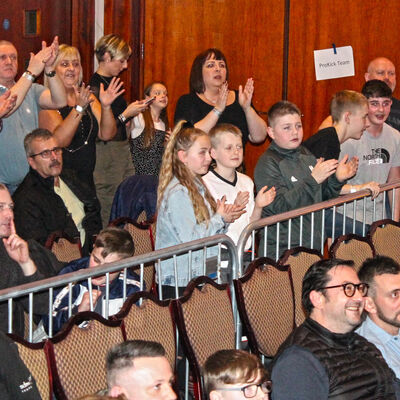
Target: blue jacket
176	223
61	295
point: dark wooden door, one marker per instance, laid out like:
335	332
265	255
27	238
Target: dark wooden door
26	23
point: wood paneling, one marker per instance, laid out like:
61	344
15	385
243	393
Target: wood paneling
250	33
126	18
83	33
368	26
50	10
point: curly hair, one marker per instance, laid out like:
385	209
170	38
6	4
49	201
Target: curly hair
183	139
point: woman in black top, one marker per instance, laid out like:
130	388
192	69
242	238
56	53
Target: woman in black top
210	101
77	125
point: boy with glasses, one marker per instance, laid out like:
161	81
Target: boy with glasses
235	375
323	358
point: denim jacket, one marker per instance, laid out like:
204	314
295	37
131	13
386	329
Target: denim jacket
176	223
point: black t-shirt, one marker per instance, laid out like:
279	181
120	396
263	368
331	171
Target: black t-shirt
325	143
192	108
118	106
394	116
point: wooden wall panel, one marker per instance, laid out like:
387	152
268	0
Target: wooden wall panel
125	18
250	33
83	33
367	25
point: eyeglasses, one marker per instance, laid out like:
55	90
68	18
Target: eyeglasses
47	153
350	288
250	391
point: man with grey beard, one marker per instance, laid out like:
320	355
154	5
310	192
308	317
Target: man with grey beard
51	199
382	324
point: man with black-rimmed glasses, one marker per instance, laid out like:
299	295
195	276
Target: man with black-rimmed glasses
51	198
323	358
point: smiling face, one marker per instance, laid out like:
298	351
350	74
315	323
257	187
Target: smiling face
160	92
229	150
336	311
358	122
383	69
8	64
287	131
378	110
6	213
150	378
97	259
214	72
69	69
197	158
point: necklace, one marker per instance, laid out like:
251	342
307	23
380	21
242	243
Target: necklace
82	129
103	78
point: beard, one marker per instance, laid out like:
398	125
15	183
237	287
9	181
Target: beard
391	321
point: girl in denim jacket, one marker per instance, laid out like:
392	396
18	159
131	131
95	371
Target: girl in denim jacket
186	209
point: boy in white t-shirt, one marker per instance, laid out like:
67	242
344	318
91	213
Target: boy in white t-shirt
224	180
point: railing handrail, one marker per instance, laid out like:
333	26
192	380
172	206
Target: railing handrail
60	280
274	219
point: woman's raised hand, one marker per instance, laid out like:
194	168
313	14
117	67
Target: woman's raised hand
83	95
222	97
113	91
246	94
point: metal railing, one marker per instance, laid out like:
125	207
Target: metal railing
349	201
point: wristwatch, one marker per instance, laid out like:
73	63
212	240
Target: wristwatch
28	75
50	74
122	118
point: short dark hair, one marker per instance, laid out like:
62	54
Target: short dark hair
196	82
122	356
42	134
377	265
230	367
376	88
115	240
316	278
280	109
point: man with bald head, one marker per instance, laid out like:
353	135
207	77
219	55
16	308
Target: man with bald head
383	69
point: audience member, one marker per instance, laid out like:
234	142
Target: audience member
210	101
150	131
378	150
30	97
113	163
224	180
323	358
186	209
139	370
77	125
51	198
235	375
383	69
299	179
16	381
20	262
381	326
112	244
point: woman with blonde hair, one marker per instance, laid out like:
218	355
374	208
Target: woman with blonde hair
186	209
77	125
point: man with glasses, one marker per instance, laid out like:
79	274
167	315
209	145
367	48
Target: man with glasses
51	199
235	375
381	326
323	358
30	98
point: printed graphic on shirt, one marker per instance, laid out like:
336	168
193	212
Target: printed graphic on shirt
377	156
26	386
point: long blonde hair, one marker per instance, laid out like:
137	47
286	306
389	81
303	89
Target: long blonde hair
183	139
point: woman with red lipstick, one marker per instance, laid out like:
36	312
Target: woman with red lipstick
210	101
77	125
150	130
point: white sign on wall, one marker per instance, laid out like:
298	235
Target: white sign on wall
335	62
